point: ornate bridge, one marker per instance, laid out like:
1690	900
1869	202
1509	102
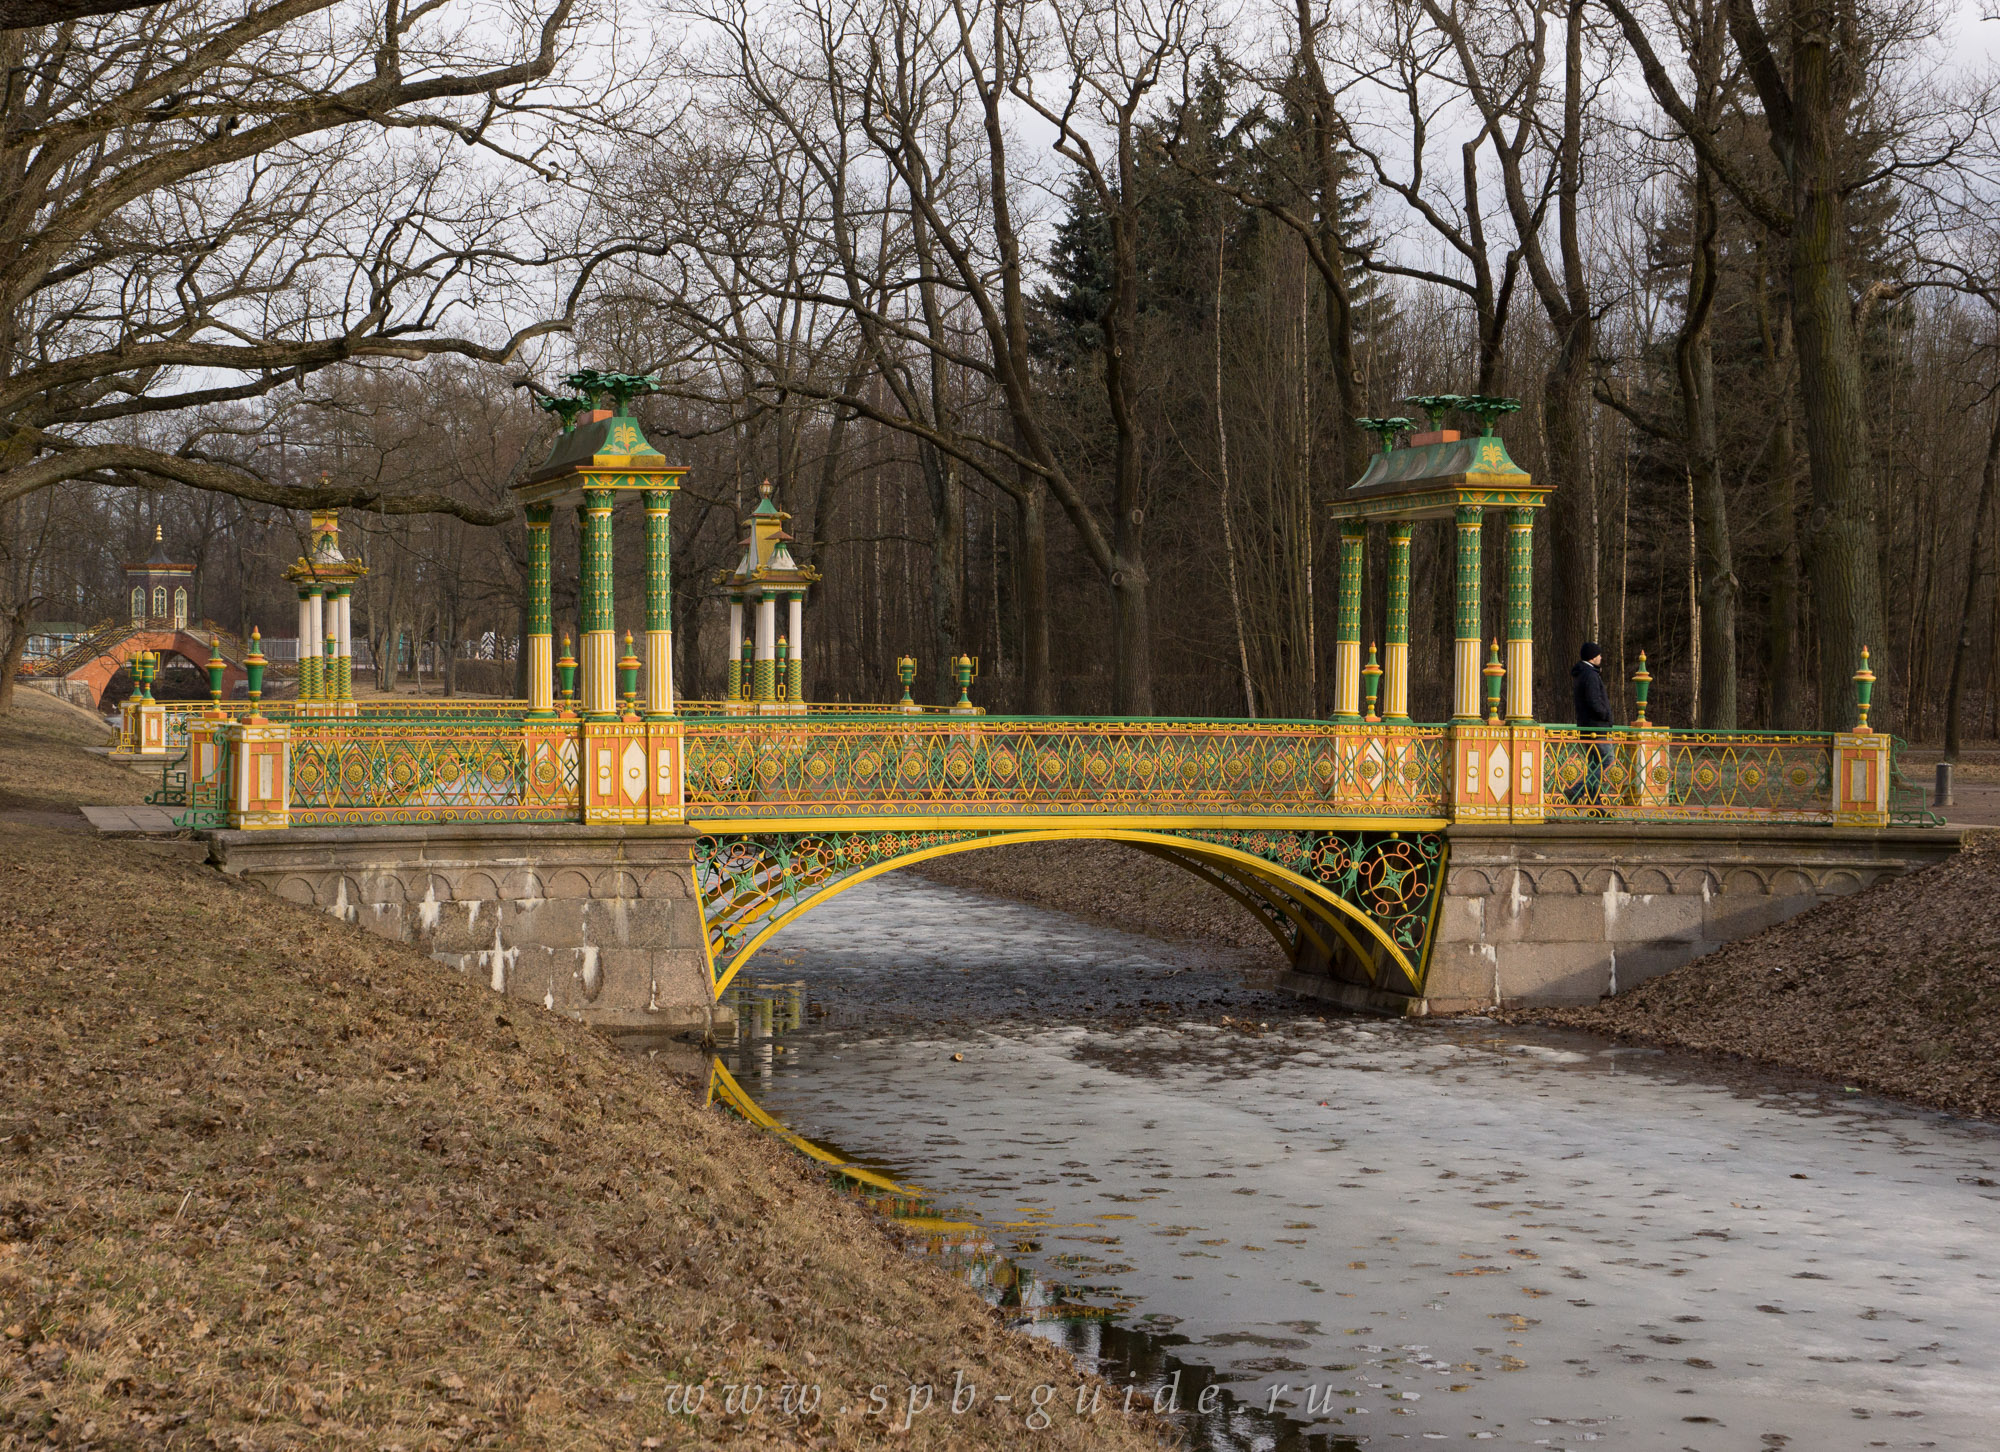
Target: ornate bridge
1334	834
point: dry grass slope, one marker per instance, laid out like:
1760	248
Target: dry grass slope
268	1182
1894	990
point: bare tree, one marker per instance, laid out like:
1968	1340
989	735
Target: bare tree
203	207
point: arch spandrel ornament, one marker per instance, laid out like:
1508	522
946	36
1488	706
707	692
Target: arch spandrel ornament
1363	902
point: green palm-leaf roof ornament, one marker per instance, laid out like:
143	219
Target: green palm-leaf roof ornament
1436	406
1386	429
565	409
1489	409
622	387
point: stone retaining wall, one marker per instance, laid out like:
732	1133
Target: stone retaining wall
1567	914
599	923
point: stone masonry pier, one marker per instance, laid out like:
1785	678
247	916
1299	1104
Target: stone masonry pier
1568	913
598	923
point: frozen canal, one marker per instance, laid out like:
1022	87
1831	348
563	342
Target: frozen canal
1378	1234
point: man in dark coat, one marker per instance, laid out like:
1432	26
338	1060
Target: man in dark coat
1593	714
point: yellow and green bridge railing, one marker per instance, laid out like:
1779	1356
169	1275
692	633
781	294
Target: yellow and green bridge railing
1334	835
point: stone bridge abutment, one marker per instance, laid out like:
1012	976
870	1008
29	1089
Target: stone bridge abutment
600	924
1563	914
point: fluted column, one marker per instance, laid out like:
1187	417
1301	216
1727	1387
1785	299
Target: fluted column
343	648
1347	636
659	604
600	648
1467	669
312	646
1396	647
1521	614
541	618
766	683
735	640
795	666
308	652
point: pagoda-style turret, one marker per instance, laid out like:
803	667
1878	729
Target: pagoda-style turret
600	454
633	766
1438	473
765	573
325	580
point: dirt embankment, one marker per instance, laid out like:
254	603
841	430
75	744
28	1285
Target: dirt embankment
1894	990
1114	884
266	1181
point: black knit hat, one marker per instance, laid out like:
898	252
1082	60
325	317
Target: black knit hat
1590	651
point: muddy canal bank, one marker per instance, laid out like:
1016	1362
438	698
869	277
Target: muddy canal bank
1895	990
269	1182
1368	1233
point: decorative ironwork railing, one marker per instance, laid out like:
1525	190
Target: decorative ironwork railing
768	767
348	771
1704	776
431	761
816	708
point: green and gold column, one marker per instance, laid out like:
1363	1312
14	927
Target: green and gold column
343	685
309	642
795	665
1396	664
600	646
1347	636
735	641
541	618
1520	615
1466	669
659	604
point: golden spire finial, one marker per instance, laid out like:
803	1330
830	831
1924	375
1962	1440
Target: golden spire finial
159	534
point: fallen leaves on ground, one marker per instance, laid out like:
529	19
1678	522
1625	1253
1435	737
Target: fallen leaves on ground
267	1181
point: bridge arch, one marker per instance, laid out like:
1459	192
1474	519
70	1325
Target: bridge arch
754	883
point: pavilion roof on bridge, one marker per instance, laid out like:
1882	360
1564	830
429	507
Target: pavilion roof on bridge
767	562
606	449
324	564
1431	479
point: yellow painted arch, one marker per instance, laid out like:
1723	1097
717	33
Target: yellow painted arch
1263	911
1284	894
1344	917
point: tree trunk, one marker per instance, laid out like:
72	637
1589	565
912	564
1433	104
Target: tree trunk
947	498
1989	476
1222	476
1716	583
1787	667
16	621
1566	430
1132	675
1808	121
1031	562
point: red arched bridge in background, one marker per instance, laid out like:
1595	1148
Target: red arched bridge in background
90	665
